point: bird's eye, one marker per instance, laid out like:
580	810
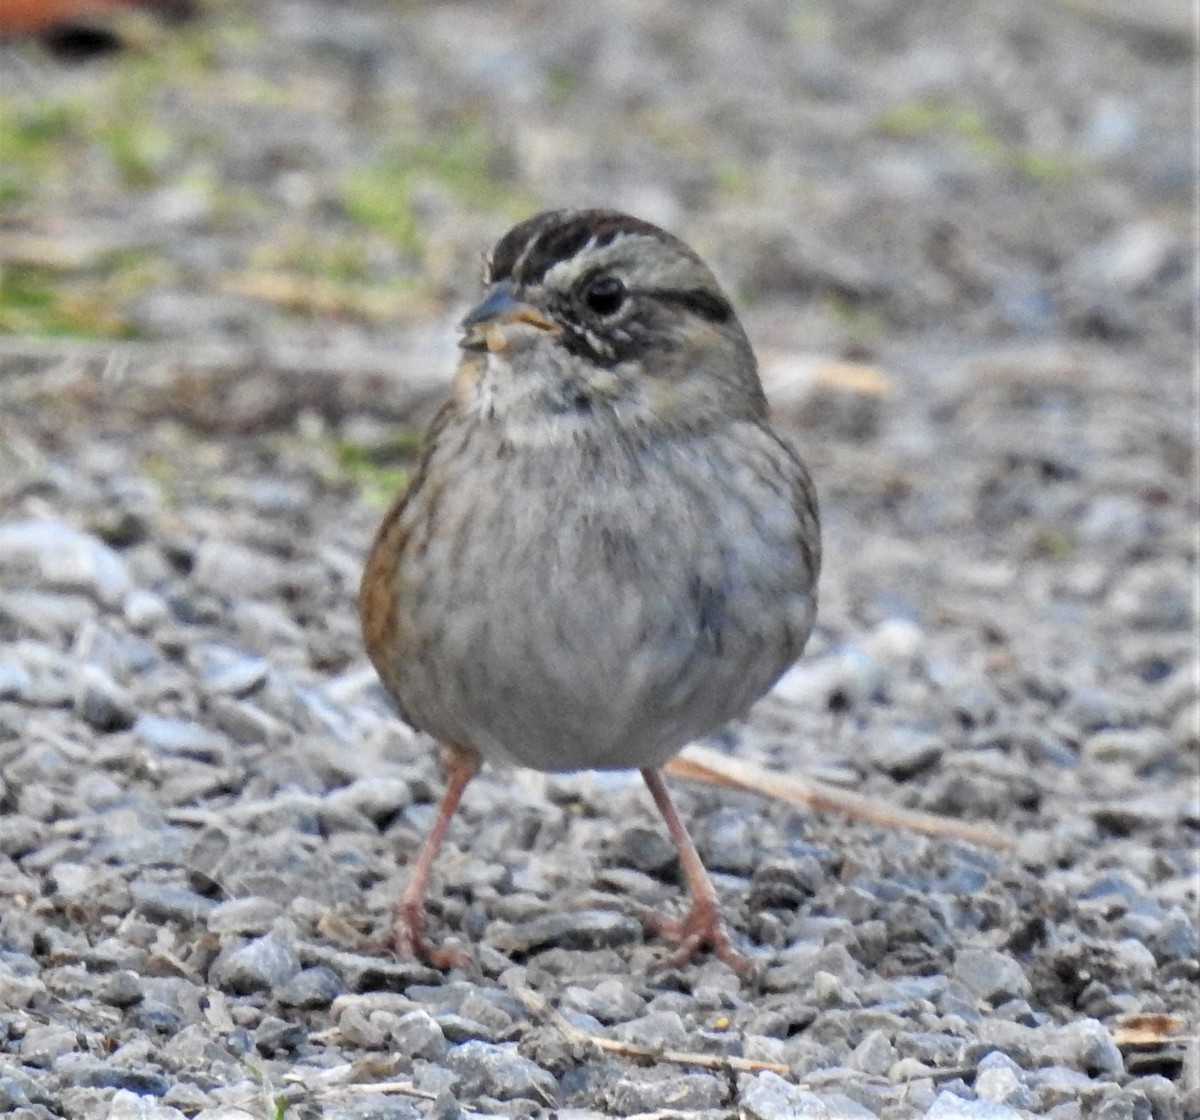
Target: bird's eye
604	295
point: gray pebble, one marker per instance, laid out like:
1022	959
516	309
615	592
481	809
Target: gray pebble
1087	1045
786	883
377	799
101	702
90	1071
169	902
669	1092
1177	938
244	722
647	849
1136	961
128	1105
15	682
1141	748
364	973
417	1034
991	975
462	1028
875	1054
610	1001
51	554
144	610
183	738
500	1072
660	1030
274	1035
229	672
582	929
311	988
45	615
255	966
1001	1080
122	989
728	841
233	571
949	1106
1094	709
248	917
42	1046
769	1097
903	753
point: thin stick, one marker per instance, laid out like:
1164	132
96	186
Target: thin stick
537	1005
706	765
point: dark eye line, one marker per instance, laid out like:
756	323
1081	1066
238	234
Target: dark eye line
700	301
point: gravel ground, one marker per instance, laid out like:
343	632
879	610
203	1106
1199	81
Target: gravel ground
961	238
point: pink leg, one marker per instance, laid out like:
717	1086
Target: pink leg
702	925
408	922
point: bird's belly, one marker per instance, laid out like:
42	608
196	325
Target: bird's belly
567	634
585	682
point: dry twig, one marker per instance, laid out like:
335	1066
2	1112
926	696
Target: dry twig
707	765
539	1006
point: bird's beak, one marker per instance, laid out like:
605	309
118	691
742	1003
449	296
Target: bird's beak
485	325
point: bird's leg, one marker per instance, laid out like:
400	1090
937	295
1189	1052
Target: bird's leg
702	925
407	937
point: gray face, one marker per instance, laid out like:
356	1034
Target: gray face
597	313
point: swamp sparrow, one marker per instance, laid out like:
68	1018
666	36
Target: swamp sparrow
605	550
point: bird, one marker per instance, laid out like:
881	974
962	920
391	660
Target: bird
605	551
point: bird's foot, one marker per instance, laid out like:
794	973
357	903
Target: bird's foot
408	940
701	926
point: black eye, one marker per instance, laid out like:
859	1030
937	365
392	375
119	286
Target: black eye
604	295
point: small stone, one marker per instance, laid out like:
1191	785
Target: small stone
43	1046
274	1035
256	966
874	1054
829	990
233	571
769	1097
660	1030
582	929
168	902
728	842
122	989
671	1092
15	682
144	610
500	1072
903	754
380	800
991	975
1001	1080
1136	961
1087	1045
461	1028
247	917
785	883
101	703
417	1034
950	1106
610	1001
128	1105
1141	748
230	672
364	973
182	738
1177	938
53	555
311	989
647	849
